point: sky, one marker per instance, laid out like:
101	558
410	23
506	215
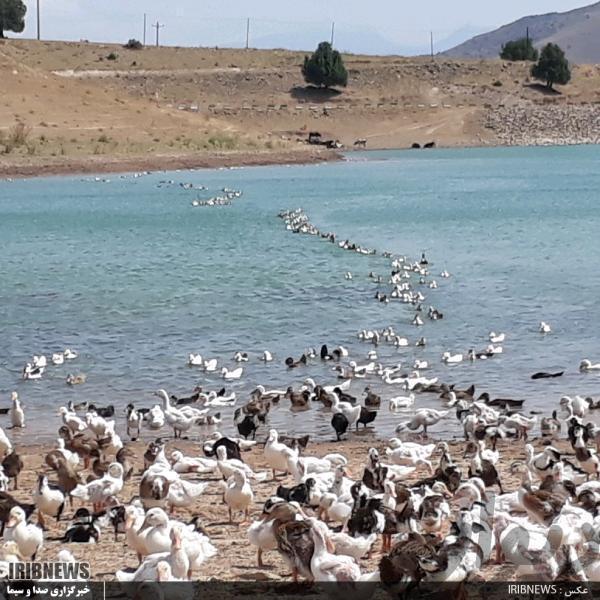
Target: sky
375	26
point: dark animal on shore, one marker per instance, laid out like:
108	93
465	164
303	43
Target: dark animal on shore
12	465
415	146
295	443
366	416
247	425
233	448
544	375
340	424
429	145
372	400
84	528
102	411
344	396
299	493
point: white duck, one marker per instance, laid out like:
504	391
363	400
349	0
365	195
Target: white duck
228	466
100	490
496	338
17	415
352	413
71	457
544	327
574	407
400	402
277	454
70	354
587	365
155	418
183	493
29	538
330	567
410	453
238	494
71	420
452	359
355	547
195	360
49	499
58	358
423	417
210	365
176	558
6	446
240	357
267	356
187	464
232	374
154	535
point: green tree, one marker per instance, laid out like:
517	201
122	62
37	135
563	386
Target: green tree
325	67
519	50
553	67
12	16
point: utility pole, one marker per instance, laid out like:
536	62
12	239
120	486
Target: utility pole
332	31
38	20
158	27
247	33
527	35
144	29
431	43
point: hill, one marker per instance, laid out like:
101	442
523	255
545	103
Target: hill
575	31
70	107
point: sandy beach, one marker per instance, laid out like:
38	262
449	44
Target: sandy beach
236	559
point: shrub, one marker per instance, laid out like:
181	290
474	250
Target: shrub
133	44
112	56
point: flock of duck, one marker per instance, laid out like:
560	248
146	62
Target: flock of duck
408	513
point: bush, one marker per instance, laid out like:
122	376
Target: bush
325	68
553	67
133	44
497	83
519	50
112	56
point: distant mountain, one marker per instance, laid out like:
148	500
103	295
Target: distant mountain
577	32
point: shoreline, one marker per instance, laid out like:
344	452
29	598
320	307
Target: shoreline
123	164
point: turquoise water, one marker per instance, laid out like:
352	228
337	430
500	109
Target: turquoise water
134	278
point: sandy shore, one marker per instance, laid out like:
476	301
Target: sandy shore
20	167
236	559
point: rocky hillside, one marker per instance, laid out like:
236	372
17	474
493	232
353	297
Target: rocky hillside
576	31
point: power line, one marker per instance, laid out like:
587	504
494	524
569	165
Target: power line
158	27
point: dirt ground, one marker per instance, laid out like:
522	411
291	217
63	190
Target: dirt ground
175	107
236	559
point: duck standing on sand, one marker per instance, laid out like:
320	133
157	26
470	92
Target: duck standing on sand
17	415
